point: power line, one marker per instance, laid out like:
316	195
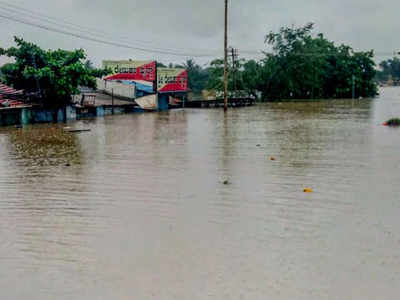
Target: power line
18	9
321	54
99	40
11	8
104	37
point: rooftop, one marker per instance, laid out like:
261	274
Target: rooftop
10	97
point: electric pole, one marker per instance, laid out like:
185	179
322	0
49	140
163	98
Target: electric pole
234	53
226	58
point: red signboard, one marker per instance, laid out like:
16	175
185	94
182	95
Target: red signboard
131	70
168	79
172	80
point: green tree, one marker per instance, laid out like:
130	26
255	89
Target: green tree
389	69
303	66
251	77
235	75
216	75
52	76
160	65
98	73
89	64
197	76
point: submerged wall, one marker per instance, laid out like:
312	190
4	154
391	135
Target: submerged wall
163	101
125	91
30	115
10	117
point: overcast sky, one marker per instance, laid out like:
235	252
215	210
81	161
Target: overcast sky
195	27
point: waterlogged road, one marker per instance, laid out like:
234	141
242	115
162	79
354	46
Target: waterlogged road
137	208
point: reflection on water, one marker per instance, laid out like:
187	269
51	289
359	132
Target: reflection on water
43	145
137	208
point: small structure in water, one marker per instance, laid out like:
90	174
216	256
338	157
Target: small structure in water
395	122
155	88
226	181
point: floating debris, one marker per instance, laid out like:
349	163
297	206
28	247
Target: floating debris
308	190
258	145
226	182
45	145
77	130
272	158
392	122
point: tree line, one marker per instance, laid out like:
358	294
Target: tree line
389	71
49	77
301	65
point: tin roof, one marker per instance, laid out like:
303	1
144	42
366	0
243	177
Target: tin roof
10	97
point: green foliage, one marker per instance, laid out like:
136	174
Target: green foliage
197	76
89	64
302	66
98	73
251	77
235	75
52	76
393	122
390	70
160	65
216	75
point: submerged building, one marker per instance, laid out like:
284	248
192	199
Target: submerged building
167	86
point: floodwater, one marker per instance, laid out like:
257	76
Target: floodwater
137	208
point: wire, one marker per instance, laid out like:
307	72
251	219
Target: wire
99	40
11	8
98	36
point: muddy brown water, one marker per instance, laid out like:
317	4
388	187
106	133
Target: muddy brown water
138	209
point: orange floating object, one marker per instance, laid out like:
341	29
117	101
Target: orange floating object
307	190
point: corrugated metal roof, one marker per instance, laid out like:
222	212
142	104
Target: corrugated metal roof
9	96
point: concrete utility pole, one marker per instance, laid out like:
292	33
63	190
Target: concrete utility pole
234	53
112	101
226	58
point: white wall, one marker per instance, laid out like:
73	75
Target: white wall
127	91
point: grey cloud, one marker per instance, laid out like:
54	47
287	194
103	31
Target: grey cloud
195	25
